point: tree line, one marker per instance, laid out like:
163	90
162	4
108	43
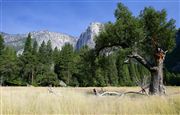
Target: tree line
43	66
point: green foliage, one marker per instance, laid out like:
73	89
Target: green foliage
157	29
137	33
65	64
28	45
42	53
172	78
47	79
173	58
143	35
125	32
1	44
34	62
35	48
27	65
56	54
8	65
122	12
109	69
101	81
49	53
86	67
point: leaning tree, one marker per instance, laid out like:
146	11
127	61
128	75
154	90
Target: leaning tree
148	37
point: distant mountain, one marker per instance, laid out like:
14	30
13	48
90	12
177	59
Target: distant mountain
57	39
87	37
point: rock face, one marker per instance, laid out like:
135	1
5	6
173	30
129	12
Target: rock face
57	39
87	37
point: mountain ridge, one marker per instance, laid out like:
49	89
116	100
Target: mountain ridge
87	37
58	39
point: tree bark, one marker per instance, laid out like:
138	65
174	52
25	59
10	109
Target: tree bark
156	84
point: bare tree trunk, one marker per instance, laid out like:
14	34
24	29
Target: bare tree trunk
156	84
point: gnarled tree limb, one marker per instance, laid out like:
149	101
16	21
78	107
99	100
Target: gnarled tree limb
141	60
99	49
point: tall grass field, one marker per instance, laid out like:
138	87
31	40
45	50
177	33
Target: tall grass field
81	101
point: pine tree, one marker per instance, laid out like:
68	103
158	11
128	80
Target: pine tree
45	75
28	45
8	66
49	53
42	53
112	70
27	62
122	68
82	67
1	44
35	48
66	63
55	55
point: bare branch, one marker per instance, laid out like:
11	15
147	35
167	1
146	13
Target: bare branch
141	60
126	61
99	49
166	51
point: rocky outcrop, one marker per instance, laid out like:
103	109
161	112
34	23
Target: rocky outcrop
57	39
87	37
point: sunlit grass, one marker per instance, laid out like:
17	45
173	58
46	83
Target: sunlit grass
37	100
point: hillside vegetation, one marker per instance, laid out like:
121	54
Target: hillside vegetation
43	66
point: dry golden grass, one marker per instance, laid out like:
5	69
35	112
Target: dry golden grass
78	101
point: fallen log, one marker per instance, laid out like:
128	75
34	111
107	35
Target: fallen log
134	92
117	93
110	93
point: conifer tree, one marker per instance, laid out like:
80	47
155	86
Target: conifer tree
28	45
66	63
27	62
35	48
8	66
1	44
49	53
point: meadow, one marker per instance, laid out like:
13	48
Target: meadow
81	101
